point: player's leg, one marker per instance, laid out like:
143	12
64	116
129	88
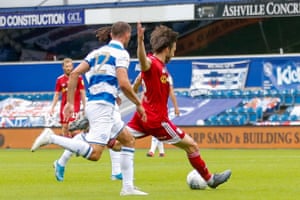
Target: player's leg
178	138
77	129
65	129
115	165
161	149
64	124
154	143
49	137
127	163
190	146
59	164
100	124
118	125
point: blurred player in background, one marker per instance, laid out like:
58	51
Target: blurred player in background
155	143
61	89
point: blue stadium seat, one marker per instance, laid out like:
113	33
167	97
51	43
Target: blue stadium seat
267	93
297	96
288	97
220	94
237	94
275	93
222	119
231	119
240	120
257	93
252	115
4	96
293	118
212	121
274	118
283	117
259	113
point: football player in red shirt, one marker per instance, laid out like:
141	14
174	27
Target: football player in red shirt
156	84
61	87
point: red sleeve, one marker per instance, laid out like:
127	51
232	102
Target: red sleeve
57	86
80	84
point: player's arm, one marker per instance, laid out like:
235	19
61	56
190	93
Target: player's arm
83	99
173	97
125	86
54	102
72	85
174	101
82	93
73	80
127	89
137	83
145	63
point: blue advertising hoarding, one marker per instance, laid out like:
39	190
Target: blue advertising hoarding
265	71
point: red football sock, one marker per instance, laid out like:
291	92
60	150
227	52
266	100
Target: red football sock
199	164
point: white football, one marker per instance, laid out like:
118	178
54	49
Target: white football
195	181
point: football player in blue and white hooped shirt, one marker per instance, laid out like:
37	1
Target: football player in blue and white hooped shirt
106	70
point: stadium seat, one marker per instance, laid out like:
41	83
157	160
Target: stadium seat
4	96
237	94
275	93
297	96
267	93
257	93
212	121
283	117
259	113
220	94
288	97
240	120
252	114
274	118
231	119
293	118
222	119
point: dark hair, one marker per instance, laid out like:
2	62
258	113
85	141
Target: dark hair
162	37
103	34
118	29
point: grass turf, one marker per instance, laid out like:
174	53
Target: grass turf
257	174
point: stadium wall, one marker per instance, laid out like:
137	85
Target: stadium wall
277	137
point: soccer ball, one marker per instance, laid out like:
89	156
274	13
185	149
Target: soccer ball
195	181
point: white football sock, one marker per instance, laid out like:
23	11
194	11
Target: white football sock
65	157
160	146
127	166
115	162
76	146
154	142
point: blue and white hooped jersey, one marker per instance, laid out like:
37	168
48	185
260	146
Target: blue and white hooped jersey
102	83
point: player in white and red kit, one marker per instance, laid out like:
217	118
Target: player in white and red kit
61	88
156	83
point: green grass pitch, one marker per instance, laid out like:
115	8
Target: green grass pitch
257	174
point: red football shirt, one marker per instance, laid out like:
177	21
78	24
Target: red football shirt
156	92
62	87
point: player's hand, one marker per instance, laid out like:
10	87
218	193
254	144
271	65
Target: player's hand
177	112
140	31
118	100
51	112
68	111
140	109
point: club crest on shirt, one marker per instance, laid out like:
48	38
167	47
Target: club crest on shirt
164	79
